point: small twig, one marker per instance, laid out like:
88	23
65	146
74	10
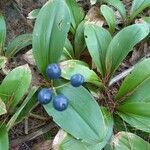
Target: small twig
45	129
38	116
26	126
120	76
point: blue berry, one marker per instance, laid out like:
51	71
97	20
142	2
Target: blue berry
60	102
53	71
44	96
77	80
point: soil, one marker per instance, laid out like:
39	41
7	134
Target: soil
15	12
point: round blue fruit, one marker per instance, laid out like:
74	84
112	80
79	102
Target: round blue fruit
77	80
45	96
53	71
60	102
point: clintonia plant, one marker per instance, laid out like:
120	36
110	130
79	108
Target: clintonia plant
89	124
71	94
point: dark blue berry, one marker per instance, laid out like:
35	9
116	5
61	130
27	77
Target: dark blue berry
53	71
44	96
77	80
60	102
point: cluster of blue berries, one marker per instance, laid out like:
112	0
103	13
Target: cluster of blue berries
45	95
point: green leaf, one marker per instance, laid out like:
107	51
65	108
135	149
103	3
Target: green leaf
76	13
118	5
2	33
15	85
72	67
122	44
17	44
68	50
25	108
128	141
136	85
4	142
70	143
137	7
79	41
146	20
135	93
83	118
97	40
2	108
33	14
50	33
109	15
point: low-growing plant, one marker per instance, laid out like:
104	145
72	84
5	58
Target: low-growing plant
11	49
78	96
90	124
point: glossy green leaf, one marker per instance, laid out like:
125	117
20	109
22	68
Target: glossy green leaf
122	44
136	85
83	118
72	67
15	85
109	15
97	40
135	93
118	5
136	121
79	41
25	108
70	143
33	14
50	33
128	141
2	107
17	44
2	33
138	6
76	13
4	141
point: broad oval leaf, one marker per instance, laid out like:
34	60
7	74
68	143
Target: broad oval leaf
72	67
122	44
128	141
118	5
25	108
109	15
2	108
83	118
4	141
138	6
15	85
70	143
17	44
97	40
2	33
76	13
136	83
135	93
50	33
